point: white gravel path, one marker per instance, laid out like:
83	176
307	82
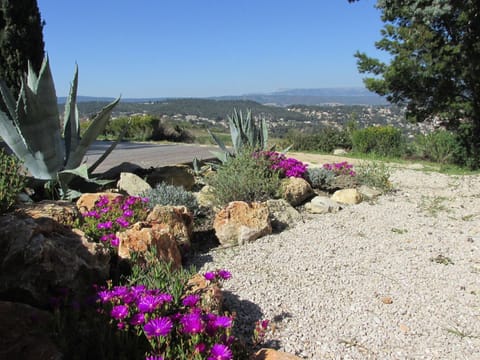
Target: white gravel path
326	284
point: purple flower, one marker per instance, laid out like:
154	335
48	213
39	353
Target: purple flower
137	319
115	241
223	321
209	276
119	312
148	303
102	201
105	210
220	352
105	225
192	323
191	300
128	213
200	348
104	295
130	200
122	222
105	238
224	274
158	327
154	357
120	291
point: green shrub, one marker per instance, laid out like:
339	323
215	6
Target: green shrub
12	180
467	147
320	178
165	194
438	146
244	178
379	140
374	174
324	140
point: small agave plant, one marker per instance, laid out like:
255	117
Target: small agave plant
33	131
245	131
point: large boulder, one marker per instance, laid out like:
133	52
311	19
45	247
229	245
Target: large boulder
369	193
40	255
282	214
142	236
296	190
177	220
347	196
132	184
178	175
240	222
205	197
63	212
23	332
322	205
271	354
87	201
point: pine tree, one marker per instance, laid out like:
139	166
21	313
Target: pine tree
21	40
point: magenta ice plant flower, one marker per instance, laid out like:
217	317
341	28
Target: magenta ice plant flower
158	327
224	274
119	312
191	300
220	352
192	323
209	276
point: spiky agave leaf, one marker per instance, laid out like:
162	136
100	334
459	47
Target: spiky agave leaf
71	124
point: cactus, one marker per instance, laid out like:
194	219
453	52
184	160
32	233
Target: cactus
32	127
245	132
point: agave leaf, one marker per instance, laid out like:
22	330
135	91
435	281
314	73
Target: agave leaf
97	125
218	141
71	128
263	134
222	156
8	99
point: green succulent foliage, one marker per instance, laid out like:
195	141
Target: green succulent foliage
12	180
32	130
166	194
320	178
245	131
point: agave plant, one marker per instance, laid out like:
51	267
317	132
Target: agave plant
245	131
32	129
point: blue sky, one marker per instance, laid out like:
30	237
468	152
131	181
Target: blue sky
197	48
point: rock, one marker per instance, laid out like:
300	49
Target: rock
340	152
240	222
205	197
270	354
212	296
41	255
178	175
87	201
347	196
132	184
63	212
141	236
368	193
295	190
343	182
23	332
177	220
282	214
322	205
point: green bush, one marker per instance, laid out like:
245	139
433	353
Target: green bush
379	140
320	178
165	194
324	140
12	180
244	178
467	147
374	174
438	146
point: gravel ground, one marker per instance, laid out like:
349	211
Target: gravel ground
395	279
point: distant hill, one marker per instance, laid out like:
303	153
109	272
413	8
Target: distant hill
320	96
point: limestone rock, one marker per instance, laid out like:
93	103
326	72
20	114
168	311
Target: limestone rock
270	354
322	205
177	220
87	201
296	190
343	182
340	151
63	212
39	255
132	184
240	222
23	332
347	196
282	214
205	197
141	236
178	175
368	193
210	292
